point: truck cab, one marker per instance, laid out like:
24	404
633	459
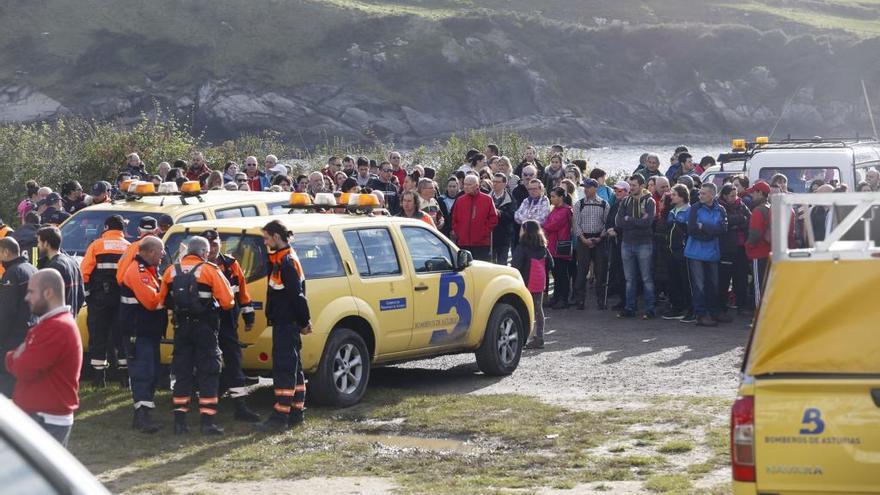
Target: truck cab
807	418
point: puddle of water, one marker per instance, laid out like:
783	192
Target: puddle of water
407	442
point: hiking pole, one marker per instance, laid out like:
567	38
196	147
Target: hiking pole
608	270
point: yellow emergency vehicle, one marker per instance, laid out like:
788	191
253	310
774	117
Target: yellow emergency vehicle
381	290
190	204
807	419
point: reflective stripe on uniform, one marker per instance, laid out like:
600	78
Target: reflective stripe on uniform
282	408
235	289
145	403
208	411
128	300
107	266
247	309
284	392
235	392
180	400
276	285
205	294
99	364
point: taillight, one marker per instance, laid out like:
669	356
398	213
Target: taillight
742	439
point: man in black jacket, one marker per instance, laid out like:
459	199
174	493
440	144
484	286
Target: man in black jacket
15	314
502	234
49	245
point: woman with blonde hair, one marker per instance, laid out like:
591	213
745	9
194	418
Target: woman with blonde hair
215	181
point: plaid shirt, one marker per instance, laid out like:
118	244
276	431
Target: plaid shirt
590	216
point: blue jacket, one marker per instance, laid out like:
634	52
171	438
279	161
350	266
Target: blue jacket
705	226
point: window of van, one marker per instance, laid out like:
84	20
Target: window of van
236	212
373	252
87	225
249	250
318	255
428	252
799	179
193	217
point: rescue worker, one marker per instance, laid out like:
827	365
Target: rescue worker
102	297
287	310
147	226
54	213
232	377
5	230
49	245
141	307
196	322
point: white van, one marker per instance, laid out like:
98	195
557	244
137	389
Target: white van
803	160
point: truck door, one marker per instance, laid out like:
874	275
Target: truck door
442	297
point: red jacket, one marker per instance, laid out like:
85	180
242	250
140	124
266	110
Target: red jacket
47	366
473	218
557	227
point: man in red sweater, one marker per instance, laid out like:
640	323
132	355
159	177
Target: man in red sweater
47	363
473	218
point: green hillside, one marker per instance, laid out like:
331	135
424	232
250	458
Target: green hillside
423	68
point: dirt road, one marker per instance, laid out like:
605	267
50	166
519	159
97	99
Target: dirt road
591	355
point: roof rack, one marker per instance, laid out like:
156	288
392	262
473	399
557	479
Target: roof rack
845	240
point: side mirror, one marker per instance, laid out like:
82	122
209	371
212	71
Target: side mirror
463	260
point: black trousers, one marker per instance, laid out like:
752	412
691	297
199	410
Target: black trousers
560	280
597	256
679	283
195	346
481	253
734	269
287	370
105	341
500	250
231	376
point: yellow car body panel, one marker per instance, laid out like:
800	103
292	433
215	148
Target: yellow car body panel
384	304
813	369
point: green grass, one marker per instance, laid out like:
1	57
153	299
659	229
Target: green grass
513	443
676	447
668	483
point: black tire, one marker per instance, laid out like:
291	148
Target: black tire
341	392
503	341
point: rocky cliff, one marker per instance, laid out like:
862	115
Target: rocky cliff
410	78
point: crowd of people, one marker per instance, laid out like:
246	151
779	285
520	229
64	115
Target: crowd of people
698	249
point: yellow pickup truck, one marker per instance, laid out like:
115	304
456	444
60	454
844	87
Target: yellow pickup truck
807	419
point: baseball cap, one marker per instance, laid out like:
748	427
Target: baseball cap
165	220
589	183
211	235
622	185
278	169
759	186
148	224
100	187
50	198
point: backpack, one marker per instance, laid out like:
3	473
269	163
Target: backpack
185	292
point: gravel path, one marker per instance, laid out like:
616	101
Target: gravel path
594	357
